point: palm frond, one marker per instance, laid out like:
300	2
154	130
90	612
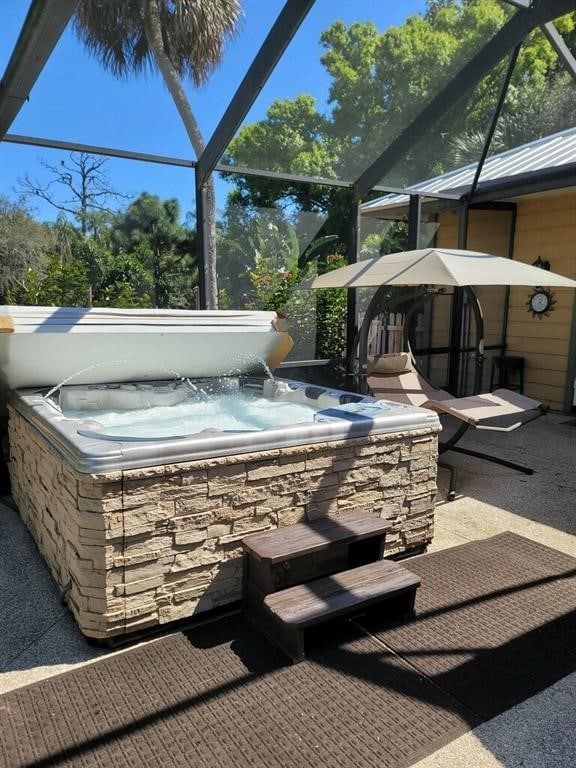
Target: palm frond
194	33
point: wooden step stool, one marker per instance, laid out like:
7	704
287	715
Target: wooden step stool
305	574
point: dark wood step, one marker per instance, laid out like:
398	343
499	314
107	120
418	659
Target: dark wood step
283	544
307	604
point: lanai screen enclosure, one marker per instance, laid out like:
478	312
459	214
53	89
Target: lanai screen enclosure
436	112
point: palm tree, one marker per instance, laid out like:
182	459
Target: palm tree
182	38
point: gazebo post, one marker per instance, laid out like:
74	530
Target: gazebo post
201	237
353	253
457	311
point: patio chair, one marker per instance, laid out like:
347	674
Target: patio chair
394	377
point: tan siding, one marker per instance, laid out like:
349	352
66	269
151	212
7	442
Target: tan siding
541	376
545	227
539	332
548	362
552	396
524	345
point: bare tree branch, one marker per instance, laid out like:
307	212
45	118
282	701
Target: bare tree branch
87	184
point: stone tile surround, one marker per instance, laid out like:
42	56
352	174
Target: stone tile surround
141	547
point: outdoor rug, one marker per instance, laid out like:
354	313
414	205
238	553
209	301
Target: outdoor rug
221	695
495	621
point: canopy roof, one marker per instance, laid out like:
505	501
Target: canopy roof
435	266
557	151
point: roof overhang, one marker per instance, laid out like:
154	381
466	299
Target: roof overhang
519	185
529	183
398	210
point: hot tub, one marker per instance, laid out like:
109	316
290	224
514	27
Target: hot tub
141	519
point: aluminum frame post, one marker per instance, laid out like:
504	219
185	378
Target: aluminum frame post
495	118
457	311
352	254
414	222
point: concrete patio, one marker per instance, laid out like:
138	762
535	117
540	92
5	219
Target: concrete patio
40	639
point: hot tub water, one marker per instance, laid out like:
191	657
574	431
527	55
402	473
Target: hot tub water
233	412
177	409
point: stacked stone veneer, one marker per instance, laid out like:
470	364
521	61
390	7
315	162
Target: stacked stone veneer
145	546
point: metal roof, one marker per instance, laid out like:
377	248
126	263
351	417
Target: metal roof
548	152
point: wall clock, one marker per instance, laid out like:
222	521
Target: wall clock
541	302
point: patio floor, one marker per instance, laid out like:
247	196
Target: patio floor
40	640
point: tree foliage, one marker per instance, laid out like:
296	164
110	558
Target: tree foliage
151	229
379	81
58	283
23	244
138	257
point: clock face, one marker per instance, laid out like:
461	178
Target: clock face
540	302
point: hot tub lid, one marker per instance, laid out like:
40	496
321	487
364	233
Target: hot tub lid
42	346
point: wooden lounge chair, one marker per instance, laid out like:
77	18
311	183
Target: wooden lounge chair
394	377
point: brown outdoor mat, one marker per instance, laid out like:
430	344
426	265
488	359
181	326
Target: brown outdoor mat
223	696
226	697
495	621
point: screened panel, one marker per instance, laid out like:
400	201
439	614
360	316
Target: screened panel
132	113
439	339
11	25
490	231
446	157
264	253
86	229
541	102
372	66
87	103
492	302
388	332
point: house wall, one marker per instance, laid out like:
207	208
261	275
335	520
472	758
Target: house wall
545	227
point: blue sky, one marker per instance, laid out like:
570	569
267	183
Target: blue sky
75	100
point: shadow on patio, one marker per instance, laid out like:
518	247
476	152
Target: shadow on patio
492	499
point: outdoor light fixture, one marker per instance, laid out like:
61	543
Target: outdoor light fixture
542	263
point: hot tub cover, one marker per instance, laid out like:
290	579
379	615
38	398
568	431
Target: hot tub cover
42	346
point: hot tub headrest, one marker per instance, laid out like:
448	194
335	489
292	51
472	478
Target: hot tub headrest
395	363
